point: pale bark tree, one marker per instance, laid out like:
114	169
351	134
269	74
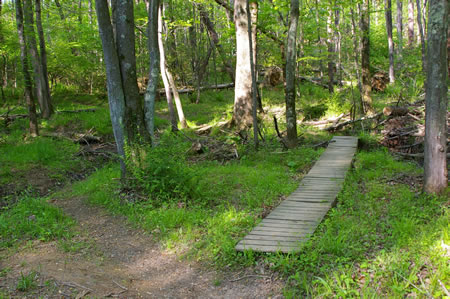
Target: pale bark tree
168	80
400	28
411	33
33	125
242	111
356	50
123	17
435	161
152	87
39	80
116	97
291	116
365	58
162	64
388	14
422	36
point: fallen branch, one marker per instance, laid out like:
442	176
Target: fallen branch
341	125
313	81
418	155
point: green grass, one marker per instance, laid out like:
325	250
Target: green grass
27	282
33	219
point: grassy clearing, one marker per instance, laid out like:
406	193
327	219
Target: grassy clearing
33	219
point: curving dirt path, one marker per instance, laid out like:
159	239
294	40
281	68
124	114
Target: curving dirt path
124	262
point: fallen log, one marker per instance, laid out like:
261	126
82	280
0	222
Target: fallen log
192	90
345	123
395	111
313	81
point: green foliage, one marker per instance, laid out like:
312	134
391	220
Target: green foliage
27	282
162	172
33	218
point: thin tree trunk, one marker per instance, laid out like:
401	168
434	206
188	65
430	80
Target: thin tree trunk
215	40
41	93
80	17
356	50
162	63
90	12
291	116
242	111
337	44
400	28
319	39
252	13
42	47
34	131
435	159
388	14
152	87
422	37
330	45
365	58
410	22
60	10
116	95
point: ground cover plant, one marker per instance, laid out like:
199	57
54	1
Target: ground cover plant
134	157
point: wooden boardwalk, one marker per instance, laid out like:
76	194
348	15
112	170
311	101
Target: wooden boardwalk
297	217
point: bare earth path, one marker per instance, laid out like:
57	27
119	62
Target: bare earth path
124	262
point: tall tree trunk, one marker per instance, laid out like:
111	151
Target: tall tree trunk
34	131
163	66
152	87
80	16
242	111
42	47
365	58
331	50
41	93
126	52
422	37
291	116
356	50
388	14
410	22
400	28
337	44
252	17
215	40
435	161
90	12
116	97
319	38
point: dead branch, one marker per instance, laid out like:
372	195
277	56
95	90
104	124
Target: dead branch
341	125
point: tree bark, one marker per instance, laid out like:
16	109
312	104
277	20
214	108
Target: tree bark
331	53
42	47
400	28
163	66
291	116
410	22
152	87
126	52
34	131
252	16
365	58
356	50
436	101
60	10
41	93
116	97
422	37
242	111
388	14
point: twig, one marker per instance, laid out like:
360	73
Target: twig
341	125
444	288
75	285
249	276
120	286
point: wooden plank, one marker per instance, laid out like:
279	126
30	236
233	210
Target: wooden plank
297	217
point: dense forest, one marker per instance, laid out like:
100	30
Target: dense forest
140	141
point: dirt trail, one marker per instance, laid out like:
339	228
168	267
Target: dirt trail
124	262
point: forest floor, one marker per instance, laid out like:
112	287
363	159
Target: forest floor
117	260
69	229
